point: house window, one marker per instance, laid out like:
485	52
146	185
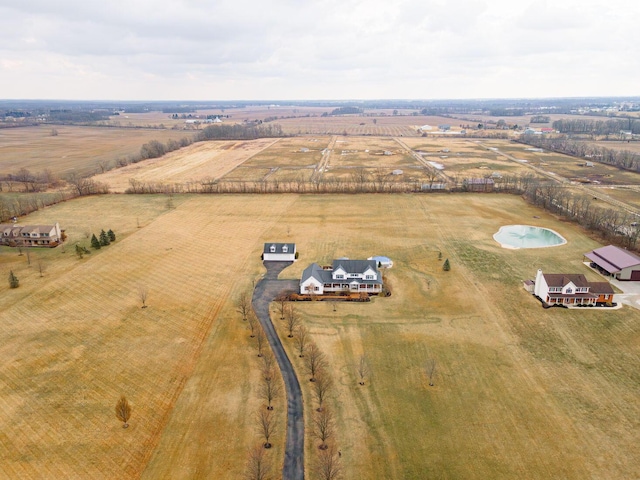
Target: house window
284	249
369	277
569	290
272	249
316	288
339	276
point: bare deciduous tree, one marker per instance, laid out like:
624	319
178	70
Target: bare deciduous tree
252	323
314	360
267	426
268	364
261	339
321	387
300	336
270	389
363	369
258	465
430	369
282	306
143	293
123	411
41	267
328	466
243	306
323	427
292	319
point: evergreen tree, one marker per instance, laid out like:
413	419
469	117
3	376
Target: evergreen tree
446	267
111	235
104	239
95	243
79	251
13	280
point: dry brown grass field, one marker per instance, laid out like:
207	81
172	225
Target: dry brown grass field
520	392
199	161
629	146
75	148
387	125
569	167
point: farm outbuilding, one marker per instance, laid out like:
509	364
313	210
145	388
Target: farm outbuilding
279	252
616	262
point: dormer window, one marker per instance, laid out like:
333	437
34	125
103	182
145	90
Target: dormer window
272	249
285	249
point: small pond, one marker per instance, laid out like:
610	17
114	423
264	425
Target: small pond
526	236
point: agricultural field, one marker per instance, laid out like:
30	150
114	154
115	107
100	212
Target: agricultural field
387	125
519	391
199	161
568	167
73	149
633	146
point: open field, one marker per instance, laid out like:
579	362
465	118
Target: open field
633	146
199	161
520	391
387	125
78	149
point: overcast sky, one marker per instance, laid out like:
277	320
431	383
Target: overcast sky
318	49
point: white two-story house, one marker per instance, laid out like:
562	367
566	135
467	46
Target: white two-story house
30	235
342	276
571	289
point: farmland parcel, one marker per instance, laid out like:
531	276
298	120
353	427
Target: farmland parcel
520	391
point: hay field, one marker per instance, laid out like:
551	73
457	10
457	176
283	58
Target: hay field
570	167
620	145
199	161
466	158
520	391
387	125
76	339
78	149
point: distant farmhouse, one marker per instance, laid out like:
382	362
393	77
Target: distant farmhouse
279	252
15	235
570	289
354	276
615	262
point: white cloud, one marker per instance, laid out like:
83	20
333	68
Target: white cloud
324	49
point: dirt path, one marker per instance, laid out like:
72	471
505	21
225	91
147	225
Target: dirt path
265	292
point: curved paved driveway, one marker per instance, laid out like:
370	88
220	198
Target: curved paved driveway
265	292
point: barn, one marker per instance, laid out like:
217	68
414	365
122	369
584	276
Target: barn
616	262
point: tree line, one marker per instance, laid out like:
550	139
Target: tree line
596	127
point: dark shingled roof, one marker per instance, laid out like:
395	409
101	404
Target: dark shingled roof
291	247
561	279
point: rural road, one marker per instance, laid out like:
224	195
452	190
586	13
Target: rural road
265	292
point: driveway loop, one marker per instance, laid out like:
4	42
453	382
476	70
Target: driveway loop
267	290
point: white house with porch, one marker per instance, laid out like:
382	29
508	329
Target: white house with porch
279	252
355	276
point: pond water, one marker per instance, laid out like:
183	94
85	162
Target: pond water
526	236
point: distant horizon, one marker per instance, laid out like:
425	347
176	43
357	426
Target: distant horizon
274	101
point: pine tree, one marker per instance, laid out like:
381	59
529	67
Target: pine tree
446	267
79	251
104	239
13	280
95	243
111	235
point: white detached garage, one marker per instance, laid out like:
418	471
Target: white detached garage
279	252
